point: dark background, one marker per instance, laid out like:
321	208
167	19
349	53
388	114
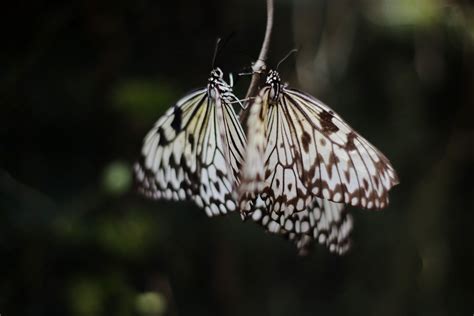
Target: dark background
82	82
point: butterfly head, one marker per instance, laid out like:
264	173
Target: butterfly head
217	83
216	75
274	81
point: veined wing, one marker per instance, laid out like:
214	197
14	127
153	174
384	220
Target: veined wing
332	160
233	137
252	180
311	152
313	162
277	186
185	155
324	222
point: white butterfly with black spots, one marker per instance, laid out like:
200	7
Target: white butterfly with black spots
195	150
303	157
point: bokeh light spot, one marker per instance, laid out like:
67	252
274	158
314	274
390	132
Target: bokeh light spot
117	178
150	304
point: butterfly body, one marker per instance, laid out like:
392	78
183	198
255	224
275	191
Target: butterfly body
274	82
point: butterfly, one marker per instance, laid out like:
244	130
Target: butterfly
195	150
301	153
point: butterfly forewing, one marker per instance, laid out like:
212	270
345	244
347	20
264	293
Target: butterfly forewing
187	154
166	168
336	162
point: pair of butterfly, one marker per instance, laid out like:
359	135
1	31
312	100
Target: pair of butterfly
293	172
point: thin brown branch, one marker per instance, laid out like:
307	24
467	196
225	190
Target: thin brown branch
259	68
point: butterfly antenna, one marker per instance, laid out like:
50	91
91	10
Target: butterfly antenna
227	39
246	71
214	56
220	44
291	52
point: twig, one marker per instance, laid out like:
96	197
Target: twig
260	66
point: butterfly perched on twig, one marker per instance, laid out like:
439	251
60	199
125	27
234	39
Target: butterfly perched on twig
303	157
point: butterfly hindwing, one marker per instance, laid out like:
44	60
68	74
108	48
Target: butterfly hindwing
252	181
324	222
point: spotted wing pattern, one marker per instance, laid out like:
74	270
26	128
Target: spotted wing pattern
332	160
194	151
311	152
252	176
324	222
314	163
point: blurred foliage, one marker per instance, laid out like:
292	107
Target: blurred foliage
86	297
421	13
82	82
150	304
138	98
117	178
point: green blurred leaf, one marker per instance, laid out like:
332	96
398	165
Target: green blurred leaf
140	98
405	12
117	178
150	304
86	297
127	236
